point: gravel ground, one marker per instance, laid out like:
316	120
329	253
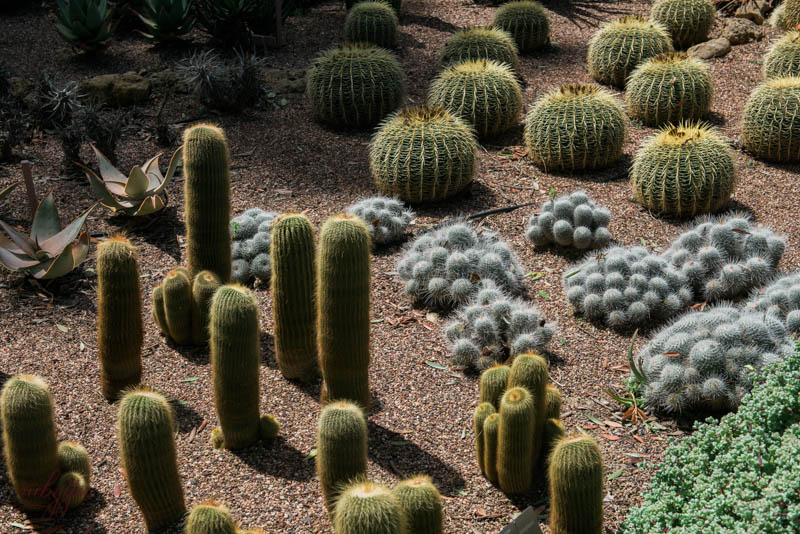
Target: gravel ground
285	162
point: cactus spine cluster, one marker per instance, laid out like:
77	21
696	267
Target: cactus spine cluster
769	128
119	316
368	508
371	22
480	43
394	4
687	21
575	473
76	474
387	218
422	504
205	285
341	448
781	299
527	23
783	58
570	220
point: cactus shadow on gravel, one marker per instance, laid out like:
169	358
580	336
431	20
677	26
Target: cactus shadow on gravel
186	417
80	519
198	354
277	458
613	173
160	230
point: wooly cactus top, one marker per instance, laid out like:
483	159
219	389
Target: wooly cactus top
443	268
386	218
494	327
781	298
251	235
570	220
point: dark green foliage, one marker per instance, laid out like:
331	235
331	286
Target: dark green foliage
783	58
167	20
575	473
514	444
228	85
770	129
85	24
341	448
527	23
422	504
204	286
687	21
371	22
480	43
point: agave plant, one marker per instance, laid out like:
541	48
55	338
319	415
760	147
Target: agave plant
87	24
141	193
50	251
4	192
167	19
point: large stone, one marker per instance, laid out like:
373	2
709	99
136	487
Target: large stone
713	48
118	89
741	30
752	10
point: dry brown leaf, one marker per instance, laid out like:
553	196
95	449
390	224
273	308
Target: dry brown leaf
610	437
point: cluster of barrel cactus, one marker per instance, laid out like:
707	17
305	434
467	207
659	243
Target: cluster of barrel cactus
783	58
212	518
786	16
251	236
480	42
444	268
780	298
687	21
769	128
387	218
493	327
371	22
572	220
527	23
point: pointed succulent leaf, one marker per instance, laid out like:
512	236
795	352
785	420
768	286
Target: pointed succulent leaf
45	220
4	193
101	190
137	184
15	262
21	240
107	169
72	256
173	166
61	240
151	204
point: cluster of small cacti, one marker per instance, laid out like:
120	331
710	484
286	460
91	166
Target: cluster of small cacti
669	87
780	298
212	518
620	45
493	327
575	127
480	42
527	23
783	58
572	220
443	268
687	21
251	235
180	305
387	218
769	128
684	170
371	22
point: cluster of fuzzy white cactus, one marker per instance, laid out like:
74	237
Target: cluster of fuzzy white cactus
251	236
387	218
572	220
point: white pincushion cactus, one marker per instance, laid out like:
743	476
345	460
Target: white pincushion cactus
387	218
781	298
572	220
251	235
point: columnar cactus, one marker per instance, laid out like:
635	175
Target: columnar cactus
783	58
491	428
355	85
341	448
670	88
493	385
769	128
210	518
204	286
484	93
177	298
76	474
147	453
687	21
371	22
422	504
369	508
180	306
684	170
530	371
574	128
514	444
343	297
620	45
292	288
527	23
482	412
251	235
387	218
119	316
438	152
781	299
570	220
480	43
575	473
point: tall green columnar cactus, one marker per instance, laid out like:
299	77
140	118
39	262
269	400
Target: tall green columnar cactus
530	371
177	297
207	201
147	454
210	518
526	21
552	433
514	443
552	401
483	411
343	294
576	487
491	427
687	21
422	504
204	286
770	130
119	316
368	508
493	384
341	448
293	301
158	312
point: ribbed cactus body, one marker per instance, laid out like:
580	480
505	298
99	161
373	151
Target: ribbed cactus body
177	296
480	43
147	454
423	155
514	444
685	170
369	508
204	286
343	299
552	432
484	410
552	402
783	58
576	127
355	85
207	201
619	46
422	505
770	130
491	429
527	23
493	384
484	93
210	519
76	474
530	371
687	21
371	22
394	4
669	87
119	316
576	487
341	448
293	299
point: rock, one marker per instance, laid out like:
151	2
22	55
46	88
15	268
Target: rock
742	30
751	10
713	48
20	87
118	89
286	81
168	78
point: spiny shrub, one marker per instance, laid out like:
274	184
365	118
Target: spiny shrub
684	170
575	127
443	268
355	85
492	327
230	86
572	220
423	154
251	235
620	45
484	93
780	298
769	128
371	22
422	504
783	58
687	21
575	474
527	23
669	87
627	288
480	42
365	507
341	448
386	218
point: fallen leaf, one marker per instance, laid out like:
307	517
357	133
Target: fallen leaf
62	328
615	474
436	365
544	294
432	317
192	434
594	419
639	439
612	424
191	379
202	425
311	454
117	490
610	437
590	427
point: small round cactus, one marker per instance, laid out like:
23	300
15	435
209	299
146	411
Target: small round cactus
251	236
574	128
619	46
527	23
572	220
368	508
684	170
484	93
355	85
781	299
480	43
669	87
687	21
783	58
423	154
394	4
422	504
371	22
769	128
386	218
210	518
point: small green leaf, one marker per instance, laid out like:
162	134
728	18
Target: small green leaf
451	383
538	275
573	273
615	474
552	192
594	420
376	321
436	365
191	379
311	454
563	341
62	328
642	241
544	294
461	492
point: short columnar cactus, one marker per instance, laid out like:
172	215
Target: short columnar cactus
251	235
780	298
210	518
420	500
177	291
371	22
341	448
575	473
355	85
514	444
293	309
76	474
684	170
343	297
527	23
620	45
387	218
493	385
574	128
482	412
491	428
368	508
572	220
395	4
423	154
119	316
669	87
769	128
480	43
147	453
484	93
204	286
783	58
444	268
530	371
687	21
